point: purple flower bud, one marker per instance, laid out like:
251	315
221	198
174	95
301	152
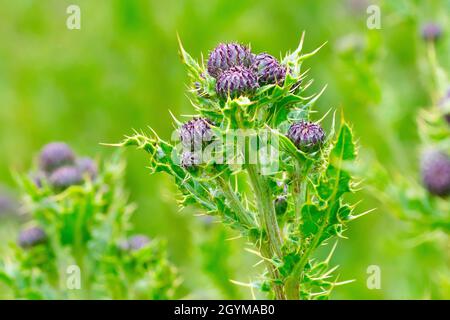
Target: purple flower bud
435	169
65	177
307	136
268	69
31	237
196	133
87	166
134	243
235	82
189	160
280	204
55	155
431	32
225	56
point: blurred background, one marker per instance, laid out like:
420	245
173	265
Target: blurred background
121	71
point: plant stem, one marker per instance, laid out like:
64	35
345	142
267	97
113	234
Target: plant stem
269	221
266	209
236	204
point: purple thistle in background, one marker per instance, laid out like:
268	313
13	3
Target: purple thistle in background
268	69
225	56
31	237
65	177
307	136
134	243
435	169
87	166
235	82
431	31
55	155
196	133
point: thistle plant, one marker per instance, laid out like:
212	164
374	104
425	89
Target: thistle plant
253	156
78	243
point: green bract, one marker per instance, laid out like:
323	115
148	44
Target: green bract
239	183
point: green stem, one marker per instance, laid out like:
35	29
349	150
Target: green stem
269	220
266	209
236	205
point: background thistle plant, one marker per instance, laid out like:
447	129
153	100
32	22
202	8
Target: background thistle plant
80	218
246	197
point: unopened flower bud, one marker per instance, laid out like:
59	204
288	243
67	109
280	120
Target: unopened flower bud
280	204
195	134
31	237
435	169
307	136
55	155
87	166
236	81
225	56
268	69
65	177
189	160
431	32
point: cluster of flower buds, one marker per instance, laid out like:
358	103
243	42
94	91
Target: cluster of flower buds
435	168
62	169
307	136
240	72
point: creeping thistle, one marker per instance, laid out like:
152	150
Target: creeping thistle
254	157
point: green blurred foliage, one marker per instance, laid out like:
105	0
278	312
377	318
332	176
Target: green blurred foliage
122	71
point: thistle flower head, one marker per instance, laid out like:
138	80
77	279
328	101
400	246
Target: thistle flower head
65	177
87	166
55	155
134	243
31	237
435	169
236	81
268	69
196	133
280	204
225	56
307	136
189	160
431	32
